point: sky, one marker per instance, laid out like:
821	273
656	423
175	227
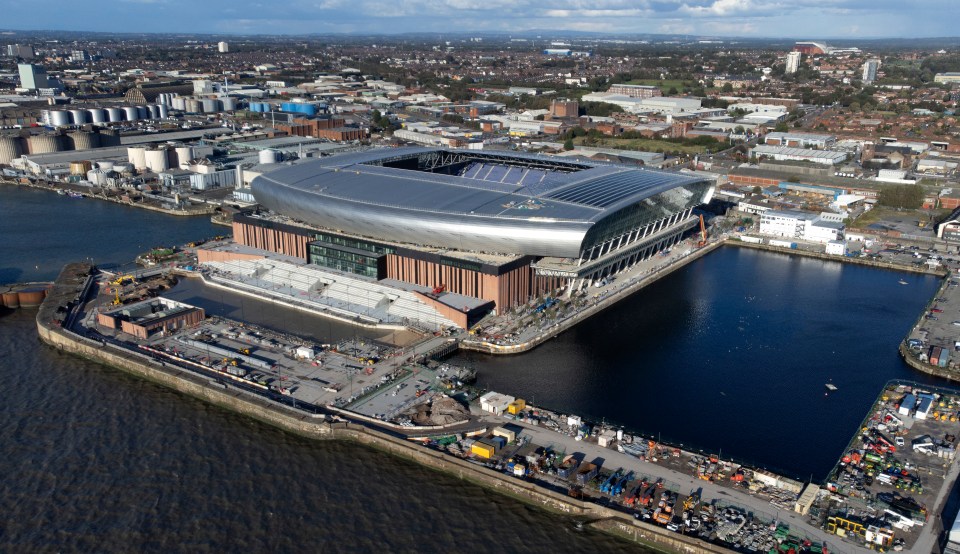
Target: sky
798	19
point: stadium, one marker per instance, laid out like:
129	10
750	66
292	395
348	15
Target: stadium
497	226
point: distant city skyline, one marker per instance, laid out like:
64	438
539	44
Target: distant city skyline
800	19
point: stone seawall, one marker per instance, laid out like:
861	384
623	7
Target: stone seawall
321	427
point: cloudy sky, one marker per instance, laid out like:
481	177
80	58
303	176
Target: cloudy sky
750	18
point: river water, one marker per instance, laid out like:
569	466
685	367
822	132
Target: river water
95	460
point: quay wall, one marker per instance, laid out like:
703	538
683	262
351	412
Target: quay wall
40	184
553	331
323	427
843	259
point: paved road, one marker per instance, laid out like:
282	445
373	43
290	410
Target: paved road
712	491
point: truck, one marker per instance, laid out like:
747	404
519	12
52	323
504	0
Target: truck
586	473
647	496
567	467
608	485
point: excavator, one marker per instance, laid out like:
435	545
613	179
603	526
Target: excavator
703	233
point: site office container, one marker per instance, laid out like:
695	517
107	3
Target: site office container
944	357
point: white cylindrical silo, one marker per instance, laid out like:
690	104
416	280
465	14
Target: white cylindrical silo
97	176
106	165
11	148
268	156
143	112
229	103
59	118
154	111
98	115
164	112
210	105
179	103
157	160
130	113
184	154
79	117
192	106
137	156
114	115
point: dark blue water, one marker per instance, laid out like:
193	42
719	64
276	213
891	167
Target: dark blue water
94	460
41	231
731	355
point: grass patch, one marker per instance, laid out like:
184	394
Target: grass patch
664	84
642	145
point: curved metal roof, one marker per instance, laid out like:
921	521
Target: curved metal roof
541	205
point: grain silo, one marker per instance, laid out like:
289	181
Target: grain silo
164	112
130	113
44	144
229	103
98	115
137	156
143	112
115	115
109	137
79	117
157	160
59	118
184	154
82	140
11	148
210	105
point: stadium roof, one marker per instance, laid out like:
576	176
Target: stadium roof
461	192
574	191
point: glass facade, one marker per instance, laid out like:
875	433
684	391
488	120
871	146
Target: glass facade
647	211
347	254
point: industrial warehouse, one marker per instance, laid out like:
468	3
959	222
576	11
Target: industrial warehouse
496	226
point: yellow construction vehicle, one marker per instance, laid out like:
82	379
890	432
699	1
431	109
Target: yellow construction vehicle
122	280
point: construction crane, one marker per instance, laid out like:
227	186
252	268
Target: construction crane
703	233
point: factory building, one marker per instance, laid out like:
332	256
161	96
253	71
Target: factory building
149	317
800	225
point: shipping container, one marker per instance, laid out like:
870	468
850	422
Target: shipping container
567	467
944	358
586	473
483	450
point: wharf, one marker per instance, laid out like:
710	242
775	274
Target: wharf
86	192
55	322
630	281
900	465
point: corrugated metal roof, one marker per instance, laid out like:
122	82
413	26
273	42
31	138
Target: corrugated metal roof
585	193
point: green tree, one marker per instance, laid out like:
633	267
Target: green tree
901	196
568	144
